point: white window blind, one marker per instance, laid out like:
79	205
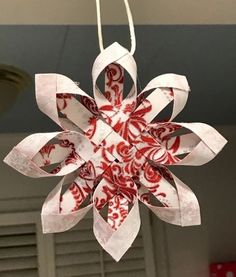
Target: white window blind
79	254
18	251
25	251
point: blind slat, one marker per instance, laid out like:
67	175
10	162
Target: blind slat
20	273
138	273
73	259
14	252
87	275
7	241
74	236
124	265
77	247
78	270
17	229
18	263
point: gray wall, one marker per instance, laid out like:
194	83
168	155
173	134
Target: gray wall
205	54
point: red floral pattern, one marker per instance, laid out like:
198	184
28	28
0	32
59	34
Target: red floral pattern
45	153
143	144
62	100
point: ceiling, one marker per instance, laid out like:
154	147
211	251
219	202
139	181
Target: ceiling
205	54
113	12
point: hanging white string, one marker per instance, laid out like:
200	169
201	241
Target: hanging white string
131	26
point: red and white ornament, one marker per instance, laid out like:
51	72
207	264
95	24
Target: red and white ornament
113	152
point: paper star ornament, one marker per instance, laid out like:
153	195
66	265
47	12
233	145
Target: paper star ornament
114	153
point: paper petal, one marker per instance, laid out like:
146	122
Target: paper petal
53	220
24	156
117	242
47	86
118	54
185	213
211	144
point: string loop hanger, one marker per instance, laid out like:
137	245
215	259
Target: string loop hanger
130	21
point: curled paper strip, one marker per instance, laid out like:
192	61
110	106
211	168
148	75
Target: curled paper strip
114	153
